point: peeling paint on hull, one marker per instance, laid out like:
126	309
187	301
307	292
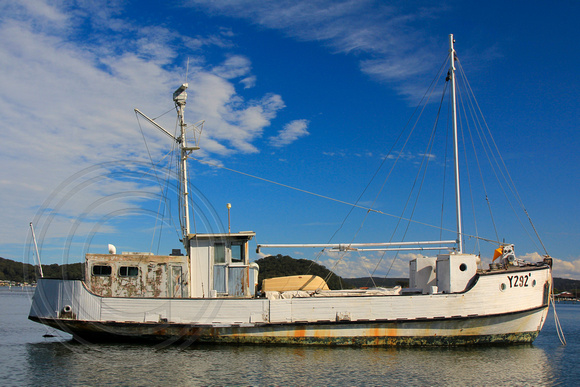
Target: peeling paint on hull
443	332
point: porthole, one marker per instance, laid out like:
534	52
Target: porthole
533	283
502	287
463	267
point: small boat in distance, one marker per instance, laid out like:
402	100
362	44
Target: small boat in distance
209	294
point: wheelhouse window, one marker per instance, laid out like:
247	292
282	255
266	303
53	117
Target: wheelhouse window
237	252
102	270
128	271
219	253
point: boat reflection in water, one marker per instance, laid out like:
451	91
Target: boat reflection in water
74	364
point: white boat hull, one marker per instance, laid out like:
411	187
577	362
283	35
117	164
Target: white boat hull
489	312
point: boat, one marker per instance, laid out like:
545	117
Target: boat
209	294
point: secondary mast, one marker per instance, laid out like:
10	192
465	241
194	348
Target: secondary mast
180	97
455	144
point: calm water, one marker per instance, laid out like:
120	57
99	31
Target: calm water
30	359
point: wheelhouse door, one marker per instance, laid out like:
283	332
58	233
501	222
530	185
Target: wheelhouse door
220	268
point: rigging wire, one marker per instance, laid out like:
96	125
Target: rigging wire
430	91
159	116
502	171
476	246
335	200
423	102
385	158
165	196
400	218
424	161
445	168
304	191
475	120
155	173
425	96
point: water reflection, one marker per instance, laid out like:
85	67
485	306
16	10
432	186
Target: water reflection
55	363
30	359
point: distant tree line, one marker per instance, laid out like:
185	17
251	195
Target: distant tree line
566	285
23	272
271	266
283	265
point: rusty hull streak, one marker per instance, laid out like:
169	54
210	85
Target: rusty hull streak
383	334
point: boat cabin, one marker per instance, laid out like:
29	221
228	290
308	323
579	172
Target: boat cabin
137	275
217	266
220	265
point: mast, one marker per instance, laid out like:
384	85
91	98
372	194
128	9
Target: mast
180	96
455	144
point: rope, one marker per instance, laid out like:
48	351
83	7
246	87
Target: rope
559	330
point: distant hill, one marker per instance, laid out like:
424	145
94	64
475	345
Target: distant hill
566	285
23	272
283	265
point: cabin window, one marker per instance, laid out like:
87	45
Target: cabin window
128	271
101	270
237	252
219	253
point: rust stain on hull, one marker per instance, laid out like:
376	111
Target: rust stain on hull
369	334
299	333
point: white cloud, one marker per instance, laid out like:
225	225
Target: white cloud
41	12
291	132
248	82
353	265
234	67
392	69
566	269
67	104
531	257
385	37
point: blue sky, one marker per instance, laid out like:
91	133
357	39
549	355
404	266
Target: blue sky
310	94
